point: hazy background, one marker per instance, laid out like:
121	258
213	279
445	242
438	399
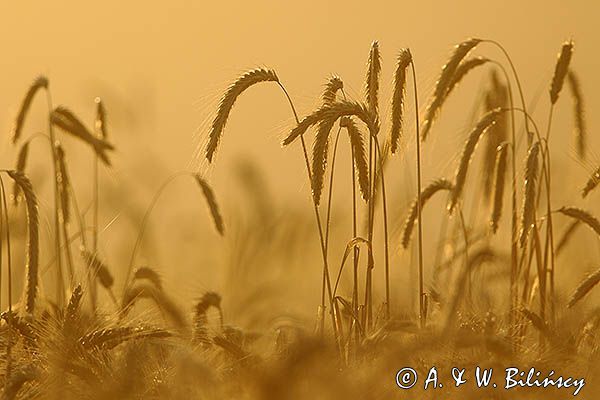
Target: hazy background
160	68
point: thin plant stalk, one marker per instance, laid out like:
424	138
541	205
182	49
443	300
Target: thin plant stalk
9	276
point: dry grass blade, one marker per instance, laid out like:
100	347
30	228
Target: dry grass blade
463	69
20	167
32	240
63	182
404	60
240	85
333	85
486	121
583	216
99	269
584	288
100	122
212	204
501	164
528	216
426	194
372	78
578	113
560	71
68	122
592	183
41	82
334	111
444	81
360	155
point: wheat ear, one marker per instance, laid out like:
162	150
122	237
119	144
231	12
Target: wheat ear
499	181
212	204
578	113
584	288
591	183
41	82
372	78
68	122
426	194
583	216
443	83
149	274
20	167
63	181
528	216
463	69
242	83
486	121
360	155
100	122
32	240
333	85
560	70
404	60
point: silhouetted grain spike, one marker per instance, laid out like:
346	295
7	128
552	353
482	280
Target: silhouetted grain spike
584	288
71	317
319	157
560	71
360	155
592	183
444	81
159	297
501	165
212	204
100	122
209	299
334	111
68	122
242	83
20	167
150	275
528	216
372	78
109	338
537	322
32	240
583	216
39	83
404	60
579	114
486	121
463	69
99	268
333	85
426	194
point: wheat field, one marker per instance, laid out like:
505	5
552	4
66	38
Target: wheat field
386	279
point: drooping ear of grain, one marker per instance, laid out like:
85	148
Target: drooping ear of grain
560	70
360	155
99	269
462	70
32	239
426	194
486	121
583	216
496	96
41	82
372	78
501	165
333	85
200	329
578	113
404	60
149	274
584	288
100	122
444	81
334	111
159	297
64	119
63	183
20	167
528	216
240	85
320	153
592	183
212	204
